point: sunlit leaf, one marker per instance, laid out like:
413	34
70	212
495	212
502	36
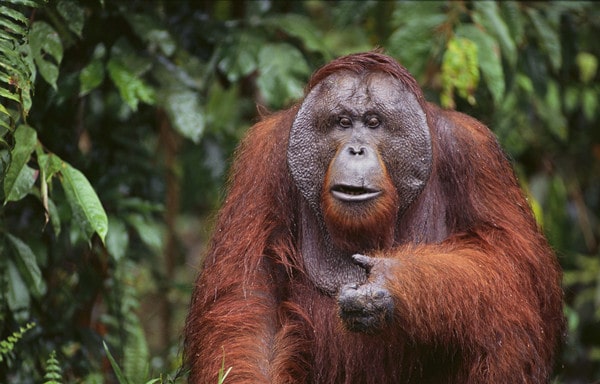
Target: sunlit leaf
460	71
588	66
489	59
87	210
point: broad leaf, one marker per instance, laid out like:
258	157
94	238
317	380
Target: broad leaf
150	232
87	210
514	19
26	262
50	164
73	14
131	86
240	57
460	71
117	238
414	39
21	185
185	113
548	37
490	62
302	28
283	73
151	31
489	16
44	42
17	296
19	177
90	77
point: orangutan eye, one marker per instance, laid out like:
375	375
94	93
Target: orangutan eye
373	122
345	122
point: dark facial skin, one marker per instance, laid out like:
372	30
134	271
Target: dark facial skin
360	153
348	111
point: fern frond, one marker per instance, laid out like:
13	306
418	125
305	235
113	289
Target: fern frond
53	375
7	345
17	71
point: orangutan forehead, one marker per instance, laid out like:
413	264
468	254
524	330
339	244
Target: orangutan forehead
376	87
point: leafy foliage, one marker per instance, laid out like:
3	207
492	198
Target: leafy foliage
117	120
6	346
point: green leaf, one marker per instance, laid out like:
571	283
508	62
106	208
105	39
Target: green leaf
11	26
548	37
588	66
19	177
414	40
15	15
150	232
221	117
17	296
73	14
27	3
131	87
26	262
283	73
87	210
185	112
118	373
44	41
90	77
489	59
589	103
54	217
488	14
514	19
17	188
151	31
301	27
50	164
459	71
117	238
552	111
240	56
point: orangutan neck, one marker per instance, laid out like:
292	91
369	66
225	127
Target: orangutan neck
326	266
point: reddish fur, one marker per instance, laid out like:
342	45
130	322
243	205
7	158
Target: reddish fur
351	231
476	287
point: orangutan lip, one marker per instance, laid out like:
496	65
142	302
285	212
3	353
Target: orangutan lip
353	193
